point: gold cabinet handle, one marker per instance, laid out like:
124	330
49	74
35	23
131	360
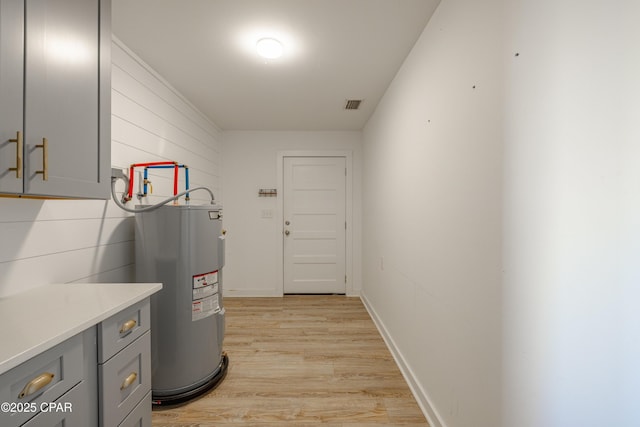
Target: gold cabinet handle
129	380
128	326
45	159
36	384
18	141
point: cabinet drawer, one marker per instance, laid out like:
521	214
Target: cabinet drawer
70	410
122	329
125	379
141	415
43	378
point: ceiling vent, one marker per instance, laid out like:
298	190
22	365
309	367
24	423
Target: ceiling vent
352	104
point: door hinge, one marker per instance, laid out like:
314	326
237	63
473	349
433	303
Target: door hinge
345	278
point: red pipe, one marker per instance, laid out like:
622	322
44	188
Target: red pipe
175	180
154	163
130	190
134	165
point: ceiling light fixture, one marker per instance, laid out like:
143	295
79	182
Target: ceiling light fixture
269	48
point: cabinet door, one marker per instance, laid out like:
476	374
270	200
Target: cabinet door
11	67
62	99
69	410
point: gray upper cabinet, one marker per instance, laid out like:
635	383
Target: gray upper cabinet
65	91
11	93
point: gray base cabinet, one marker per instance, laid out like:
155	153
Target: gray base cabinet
140	416
99	377
63	413
55	100
57	385
124	361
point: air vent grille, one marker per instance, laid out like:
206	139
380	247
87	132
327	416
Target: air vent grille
352	104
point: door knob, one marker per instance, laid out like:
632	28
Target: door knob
286	232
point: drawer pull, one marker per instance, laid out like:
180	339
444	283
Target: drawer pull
45	159
36	384
129	380
128	326
18	141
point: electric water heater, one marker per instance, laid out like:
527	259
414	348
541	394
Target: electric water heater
182	246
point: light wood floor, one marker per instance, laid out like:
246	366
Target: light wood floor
302	361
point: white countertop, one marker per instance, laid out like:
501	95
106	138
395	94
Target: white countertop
36	320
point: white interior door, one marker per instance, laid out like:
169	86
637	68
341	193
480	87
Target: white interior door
314	229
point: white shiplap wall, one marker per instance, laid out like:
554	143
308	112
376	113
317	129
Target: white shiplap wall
59	241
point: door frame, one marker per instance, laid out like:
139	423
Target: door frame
348	156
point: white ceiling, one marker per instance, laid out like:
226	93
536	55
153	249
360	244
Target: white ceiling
334	50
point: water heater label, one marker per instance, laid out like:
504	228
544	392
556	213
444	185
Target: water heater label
204	308
206	279
205	291
204	302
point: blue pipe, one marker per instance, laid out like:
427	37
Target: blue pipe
144	182
186	182
186	176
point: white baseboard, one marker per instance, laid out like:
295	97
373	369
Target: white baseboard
419	393
251	293
231	293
